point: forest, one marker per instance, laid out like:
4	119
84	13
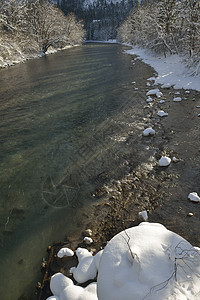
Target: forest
29	28
166	26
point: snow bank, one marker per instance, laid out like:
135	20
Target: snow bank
149	262
171	70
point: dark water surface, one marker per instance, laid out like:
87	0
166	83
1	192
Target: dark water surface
56	117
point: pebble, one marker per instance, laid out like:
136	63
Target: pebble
87	232
190	214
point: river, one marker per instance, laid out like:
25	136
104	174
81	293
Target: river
58	114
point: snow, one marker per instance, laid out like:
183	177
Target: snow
164	161
86	268
177	99
149	262
143	262
97	259
161	113
162	101
144	215
171	70
65	252
59	282
148	131
149	99
154	92
194	197
88	240
166	85
78	293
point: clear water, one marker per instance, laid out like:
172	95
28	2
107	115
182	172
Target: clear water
56	118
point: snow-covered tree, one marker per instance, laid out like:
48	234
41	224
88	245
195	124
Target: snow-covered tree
30	26
165	26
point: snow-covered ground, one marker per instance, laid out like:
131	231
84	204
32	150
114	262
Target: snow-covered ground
143	262
172	71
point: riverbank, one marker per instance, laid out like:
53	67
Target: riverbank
16	56
161	191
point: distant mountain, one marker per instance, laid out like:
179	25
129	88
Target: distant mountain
101	17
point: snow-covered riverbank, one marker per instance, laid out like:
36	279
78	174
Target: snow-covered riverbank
14	55
172	70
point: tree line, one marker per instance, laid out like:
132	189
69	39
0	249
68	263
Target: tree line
32	26
101	17
165	26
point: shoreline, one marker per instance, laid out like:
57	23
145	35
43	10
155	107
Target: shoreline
162	191
24	58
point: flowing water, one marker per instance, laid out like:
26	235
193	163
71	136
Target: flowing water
56	117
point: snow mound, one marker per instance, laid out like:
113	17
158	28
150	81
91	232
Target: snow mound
97	259
177	99
194	197
161	113
78	293
65	252
86	268
164	161
149	262
58	283
148	131
154	92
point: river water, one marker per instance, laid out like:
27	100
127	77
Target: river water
58	114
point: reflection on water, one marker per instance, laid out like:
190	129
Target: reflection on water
56	118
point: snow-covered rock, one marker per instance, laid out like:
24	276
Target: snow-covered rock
144	215
149	262
58	283
194	197
154	92
148	131
65	252
162	101
88	240
175	160
164	161
177	99
149	99
161	113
